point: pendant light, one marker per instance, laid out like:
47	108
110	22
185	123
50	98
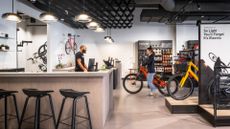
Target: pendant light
108	37
11	16
92	25
83	17
99	29
48	16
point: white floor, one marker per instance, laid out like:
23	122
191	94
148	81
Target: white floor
143	112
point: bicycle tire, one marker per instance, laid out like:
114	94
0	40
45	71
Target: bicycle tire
211	91
67	48
163	90
42	50
74	48
127	88
177	79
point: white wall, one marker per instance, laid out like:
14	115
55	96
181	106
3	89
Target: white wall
7	59
185	33
57	37
38	36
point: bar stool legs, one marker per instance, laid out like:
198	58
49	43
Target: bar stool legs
73	123
87	108
5	95
6	112
52	110
38	95
60	113
74	96
23	112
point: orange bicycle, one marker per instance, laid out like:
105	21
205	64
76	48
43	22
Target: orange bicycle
133	82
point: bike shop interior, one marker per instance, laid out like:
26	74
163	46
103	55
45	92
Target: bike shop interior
40	40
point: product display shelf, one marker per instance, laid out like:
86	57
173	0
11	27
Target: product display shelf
207	112
163	54
189	105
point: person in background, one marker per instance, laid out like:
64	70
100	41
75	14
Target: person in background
151	70
80	61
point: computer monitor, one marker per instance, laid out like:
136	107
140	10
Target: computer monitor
91	64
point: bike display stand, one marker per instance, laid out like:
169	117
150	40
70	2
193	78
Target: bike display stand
221	119
187	106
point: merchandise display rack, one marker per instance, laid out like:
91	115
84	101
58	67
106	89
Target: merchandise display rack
163	54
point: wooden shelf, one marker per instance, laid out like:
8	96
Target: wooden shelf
6	38
4	50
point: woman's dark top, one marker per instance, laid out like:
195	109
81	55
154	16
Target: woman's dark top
150	64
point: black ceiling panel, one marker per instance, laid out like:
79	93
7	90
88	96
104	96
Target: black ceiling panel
108	13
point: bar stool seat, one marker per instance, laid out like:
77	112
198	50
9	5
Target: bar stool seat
5	94
38	95
70	93
74	96
36	92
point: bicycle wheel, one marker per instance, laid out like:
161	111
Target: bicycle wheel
163	90
181	92
74	48
42	50
211	91
67	48
132	84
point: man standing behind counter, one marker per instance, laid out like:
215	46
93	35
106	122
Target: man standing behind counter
80	61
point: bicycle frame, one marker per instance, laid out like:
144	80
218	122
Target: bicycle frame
156	80
189	73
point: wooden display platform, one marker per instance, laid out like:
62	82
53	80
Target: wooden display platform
189	105
207	112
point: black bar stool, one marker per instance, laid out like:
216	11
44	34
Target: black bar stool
5	94
37	94
75	95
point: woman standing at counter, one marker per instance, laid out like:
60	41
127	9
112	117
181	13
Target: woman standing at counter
80	61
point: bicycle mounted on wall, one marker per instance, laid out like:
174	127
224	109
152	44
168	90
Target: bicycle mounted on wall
40	58
71	45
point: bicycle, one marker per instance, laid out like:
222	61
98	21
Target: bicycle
225	79
71	45
40	57
133	82
185	83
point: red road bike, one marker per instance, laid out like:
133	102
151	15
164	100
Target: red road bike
71	45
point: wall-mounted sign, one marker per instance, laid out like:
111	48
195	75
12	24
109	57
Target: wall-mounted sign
212	33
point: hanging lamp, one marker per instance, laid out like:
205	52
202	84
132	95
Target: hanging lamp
99	29
83	17
12	16
108	37
48	16
92	25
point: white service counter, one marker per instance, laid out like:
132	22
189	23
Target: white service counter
99	84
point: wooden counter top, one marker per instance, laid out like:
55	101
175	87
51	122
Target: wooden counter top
56	74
